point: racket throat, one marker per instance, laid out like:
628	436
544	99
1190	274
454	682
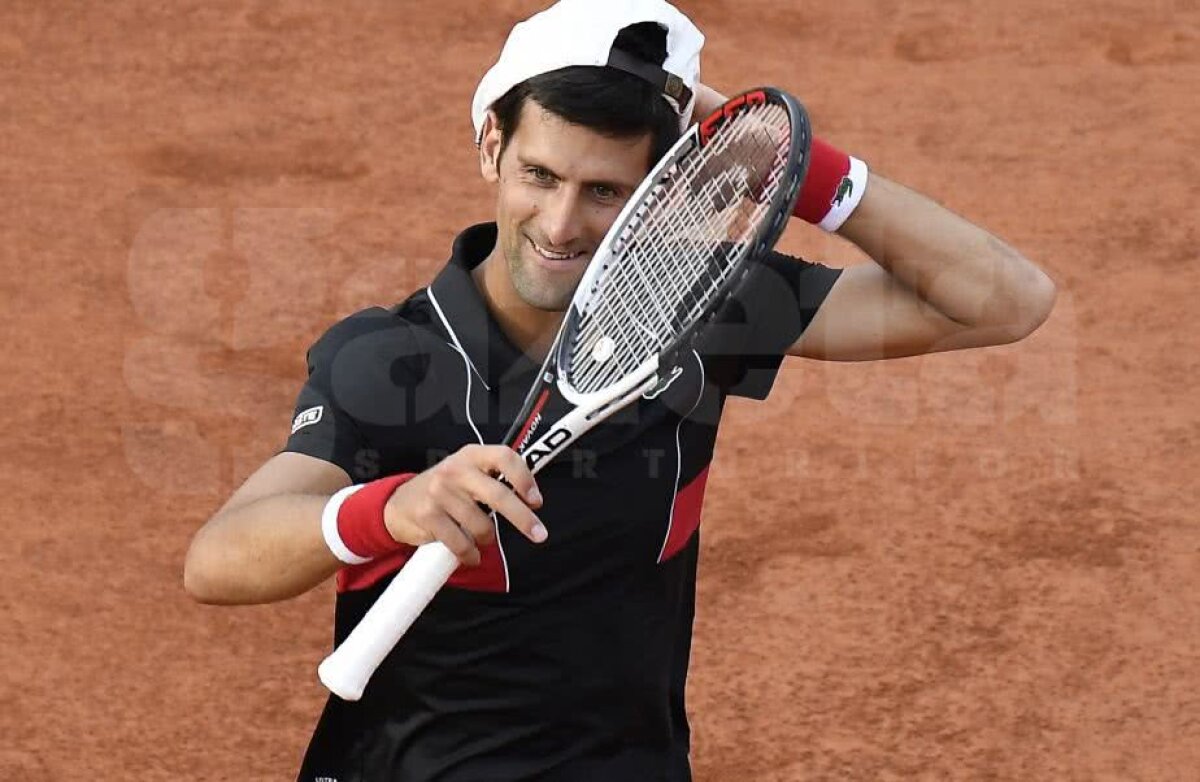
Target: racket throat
531	423
593	417
576	423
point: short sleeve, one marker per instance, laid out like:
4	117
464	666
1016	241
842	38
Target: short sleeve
745	345
322	427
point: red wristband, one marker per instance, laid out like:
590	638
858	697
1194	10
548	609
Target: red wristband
353	522
833	188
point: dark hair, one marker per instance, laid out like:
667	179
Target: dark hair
607	100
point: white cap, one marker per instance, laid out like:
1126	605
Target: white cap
582	32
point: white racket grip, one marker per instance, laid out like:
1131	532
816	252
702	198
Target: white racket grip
347	670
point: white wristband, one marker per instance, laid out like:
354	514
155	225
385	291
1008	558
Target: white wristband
329	528
849	196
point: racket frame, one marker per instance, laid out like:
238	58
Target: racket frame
591	406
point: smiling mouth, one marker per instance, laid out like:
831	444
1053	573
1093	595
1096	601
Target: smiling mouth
553	256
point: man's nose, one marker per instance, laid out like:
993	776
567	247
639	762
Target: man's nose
562	219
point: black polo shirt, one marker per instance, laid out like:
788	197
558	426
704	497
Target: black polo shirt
560	661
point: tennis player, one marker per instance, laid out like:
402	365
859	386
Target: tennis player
560	649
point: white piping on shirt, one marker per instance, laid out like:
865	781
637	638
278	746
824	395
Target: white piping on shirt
679	458
470	368
454	337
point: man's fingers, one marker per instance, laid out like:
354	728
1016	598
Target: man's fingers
502	460
455	538
503	500
471	517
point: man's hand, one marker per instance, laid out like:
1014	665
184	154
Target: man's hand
443	503
708	100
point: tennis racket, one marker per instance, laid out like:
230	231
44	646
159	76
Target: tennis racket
683	244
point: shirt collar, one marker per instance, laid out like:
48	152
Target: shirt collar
465	315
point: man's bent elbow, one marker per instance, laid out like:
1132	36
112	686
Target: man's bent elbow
1024	308
201	582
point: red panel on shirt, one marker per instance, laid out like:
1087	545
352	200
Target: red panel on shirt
685	516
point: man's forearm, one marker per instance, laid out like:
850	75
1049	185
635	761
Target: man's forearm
267	550
961	270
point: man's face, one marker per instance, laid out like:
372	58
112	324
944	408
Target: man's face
561	186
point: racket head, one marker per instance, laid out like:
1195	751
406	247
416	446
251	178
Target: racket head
683	245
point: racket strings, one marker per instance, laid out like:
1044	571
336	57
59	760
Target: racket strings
674	256
674	301
713	196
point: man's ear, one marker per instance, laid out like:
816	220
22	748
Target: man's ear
489	149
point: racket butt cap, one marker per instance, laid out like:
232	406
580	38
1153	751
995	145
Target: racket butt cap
339	681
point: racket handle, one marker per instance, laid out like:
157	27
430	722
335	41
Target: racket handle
347	670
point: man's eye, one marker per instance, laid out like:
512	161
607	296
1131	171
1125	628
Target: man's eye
605	193
541	175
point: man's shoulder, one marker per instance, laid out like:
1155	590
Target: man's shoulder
394	331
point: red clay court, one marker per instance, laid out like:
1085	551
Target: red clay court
975	566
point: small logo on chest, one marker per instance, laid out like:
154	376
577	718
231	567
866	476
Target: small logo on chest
663	384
